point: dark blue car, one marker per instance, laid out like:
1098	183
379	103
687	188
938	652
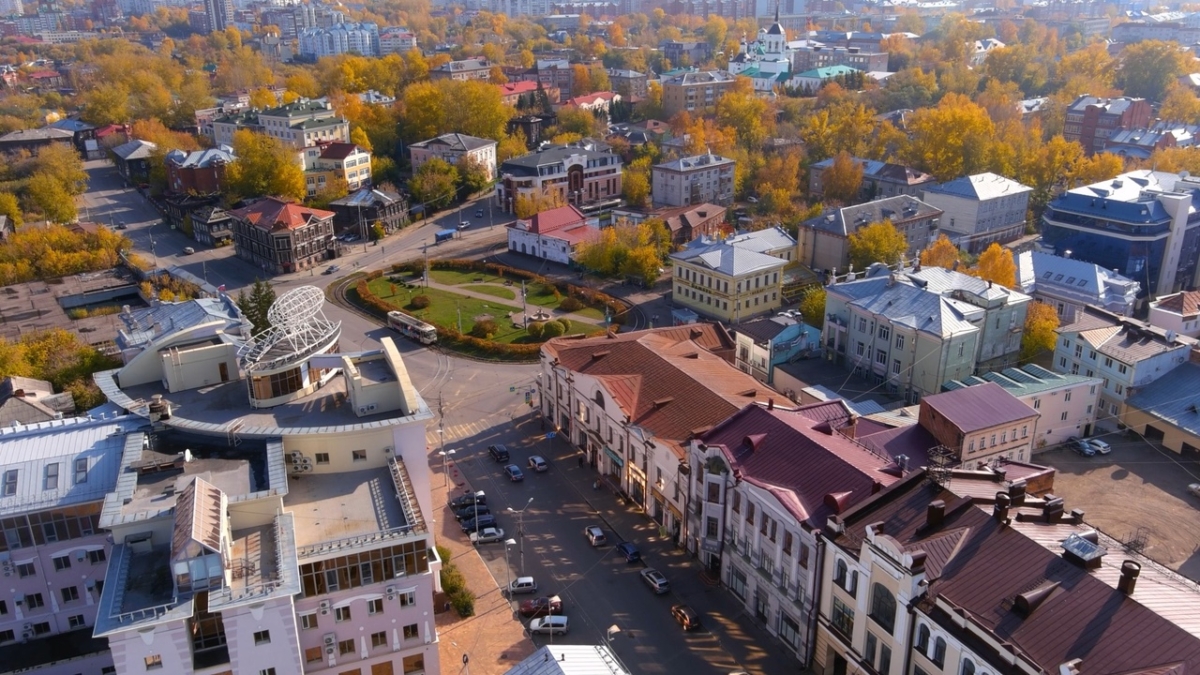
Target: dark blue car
627	549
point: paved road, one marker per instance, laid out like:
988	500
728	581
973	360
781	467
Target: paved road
598	587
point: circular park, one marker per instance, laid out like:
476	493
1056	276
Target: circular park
488	310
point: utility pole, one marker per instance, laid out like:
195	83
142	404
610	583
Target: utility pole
524	307
426	275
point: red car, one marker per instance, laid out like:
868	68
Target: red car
542	606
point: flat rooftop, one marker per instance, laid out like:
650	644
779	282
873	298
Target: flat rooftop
346	509
34	306
374	371
224	409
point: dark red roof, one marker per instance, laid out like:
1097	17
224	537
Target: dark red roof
981	406
1186	303
555	219
273	213
338	150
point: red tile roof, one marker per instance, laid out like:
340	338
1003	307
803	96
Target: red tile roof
981	406
555	219
273	213
1186	303
798	456
338	150
590	99
517	88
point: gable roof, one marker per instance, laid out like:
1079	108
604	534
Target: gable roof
339	151
982	406
455	141
273	213
847	220
1173	398
1186	303
134	149
517	88
199	519
981	186
551	220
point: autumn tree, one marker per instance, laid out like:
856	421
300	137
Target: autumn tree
877	242
1039	337
996	265
512	145
843	179
434	184
264	166
472	175
941	253
812	306
951	139
48	196
63	162
434	108
631	251
526	205
748	114
10	208
635	182
60	357
1150	67
1180	105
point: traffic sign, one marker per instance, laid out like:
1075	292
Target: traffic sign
550	434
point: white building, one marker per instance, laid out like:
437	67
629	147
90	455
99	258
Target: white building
1068	285
451	148
981	209
341	38
1124	353
699	179
396	40
1178	312
300	124
553	234
769	54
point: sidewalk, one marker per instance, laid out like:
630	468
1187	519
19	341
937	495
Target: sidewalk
491	639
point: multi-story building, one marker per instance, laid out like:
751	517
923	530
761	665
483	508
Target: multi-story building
694	91
1067	403
328	162
218	563
300	124
556	74
1068	285
699	179
985	572
980	423
1142	224
824	241
732	279
360	211
452	148
1162	410
766	342
132	160
219	14
518	8
1126	354
686	223
1178	312
764	481
981	209
342	38
633	429
815	55
199	172
279	236
396	40
211	225
24	400
468	69
527	94
1090	121
630	84
1166	26
686	53
586	174
54	554
1000	334
880	179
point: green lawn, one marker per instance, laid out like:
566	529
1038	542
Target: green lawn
488	289
445	307
459	277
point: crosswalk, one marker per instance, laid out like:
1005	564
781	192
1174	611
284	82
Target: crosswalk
472	430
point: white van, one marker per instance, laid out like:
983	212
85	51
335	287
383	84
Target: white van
550	625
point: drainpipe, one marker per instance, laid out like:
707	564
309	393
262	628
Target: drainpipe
818	564
912	630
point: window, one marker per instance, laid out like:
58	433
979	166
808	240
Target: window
939	652
379	639
737	502
70	593
346	647
1107	362
342	614
308	621
971	446
869	649
884	333
34	601
1025	429
98	556
62	562
899	342
1067	396
408	599
885	658
803	557
881	357
3	607
883	607
314	654
1062	361
750	512
322	458
75	621
896	366
968	667
7	636
10	483
923	639
843	618
1063	417
267	671
789	630
1092	355
153	661
1078	351
375	606
714	493
710	528
1122	368
787	544
359	455
81	468
860	349
411	632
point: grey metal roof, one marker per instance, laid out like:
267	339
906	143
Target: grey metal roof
455	141
1030	379
368	197
527	165
1037	271
846	221
173	316
45	133
944	281
761	241
71	125
728	259
907	305
981	186
695	162
134	149
764	329
1173	398
200	158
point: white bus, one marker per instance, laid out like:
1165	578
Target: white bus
412	327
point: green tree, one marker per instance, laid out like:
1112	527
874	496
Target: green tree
435	184
1150	67
264	166
50	198
472	175
9	207
255	305
877	242
1039	337
812	306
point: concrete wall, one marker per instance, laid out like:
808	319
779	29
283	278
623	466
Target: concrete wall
1174	437
147	366
198	367
1077	402
547	248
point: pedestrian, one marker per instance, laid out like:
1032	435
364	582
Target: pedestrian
581	461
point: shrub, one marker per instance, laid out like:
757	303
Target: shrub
566	324
420	302
374	275
553	329
535	329
484	329
463	602
445	554
453	580
571	304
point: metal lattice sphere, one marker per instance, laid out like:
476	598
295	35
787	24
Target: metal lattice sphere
296	307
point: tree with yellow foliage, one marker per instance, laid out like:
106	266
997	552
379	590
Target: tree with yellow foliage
951	139
996	265
264	167
843	179
877	242
941	253
527	205
751	118
1039	337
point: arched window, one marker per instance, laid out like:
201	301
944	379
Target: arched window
968	667
883	607
600	399
939	652
923	639
852	587
839	573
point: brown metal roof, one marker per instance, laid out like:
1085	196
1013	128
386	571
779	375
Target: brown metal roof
981	406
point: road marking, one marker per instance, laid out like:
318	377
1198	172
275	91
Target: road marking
455	432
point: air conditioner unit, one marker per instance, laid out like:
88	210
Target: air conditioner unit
370	406
330	639
5	557
305	462
325	607
329	651
297	456
362	410
306	467
80	555
387	451
26	635
28	626
91	585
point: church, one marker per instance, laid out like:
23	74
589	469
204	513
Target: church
767	60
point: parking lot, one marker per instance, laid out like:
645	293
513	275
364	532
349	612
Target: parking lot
1139	485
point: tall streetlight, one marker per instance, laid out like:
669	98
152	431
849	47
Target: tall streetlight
445	459
521	529
508	569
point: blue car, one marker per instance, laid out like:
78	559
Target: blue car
514	473
630	552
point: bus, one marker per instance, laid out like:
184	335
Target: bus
412	327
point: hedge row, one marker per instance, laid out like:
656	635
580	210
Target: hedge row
454	585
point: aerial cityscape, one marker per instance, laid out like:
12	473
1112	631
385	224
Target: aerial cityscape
600	337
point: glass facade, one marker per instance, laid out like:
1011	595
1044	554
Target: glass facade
1140	259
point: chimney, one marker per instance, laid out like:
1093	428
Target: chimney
1000	510
902	462
770	404
1016	492
1052	510
1129	576
935	514
20	393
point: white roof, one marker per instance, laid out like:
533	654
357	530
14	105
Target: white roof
570	660
981	186
30	449
761	241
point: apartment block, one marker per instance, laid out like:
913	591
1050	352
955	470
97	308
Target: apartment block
1068	285
693	180
1090	120
695	91
452	148
300	124
824	241
279	236
980	210
329	162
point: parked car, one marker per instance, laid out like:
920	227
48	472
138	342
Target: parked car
487	535
468	500
498	452
522	585
472	511
514	473
1194	489
538	463
477	524
352	237
550	625
462	225
627	549
331	269
656	581
1081	446
541	606
188	250
478	213
1100	446
595	535
122	226
686	616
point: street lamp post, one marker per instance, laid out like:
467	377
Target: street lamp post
508	570
445	475
521	529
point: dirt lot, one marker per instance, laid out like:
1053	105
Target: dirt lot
1138	485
